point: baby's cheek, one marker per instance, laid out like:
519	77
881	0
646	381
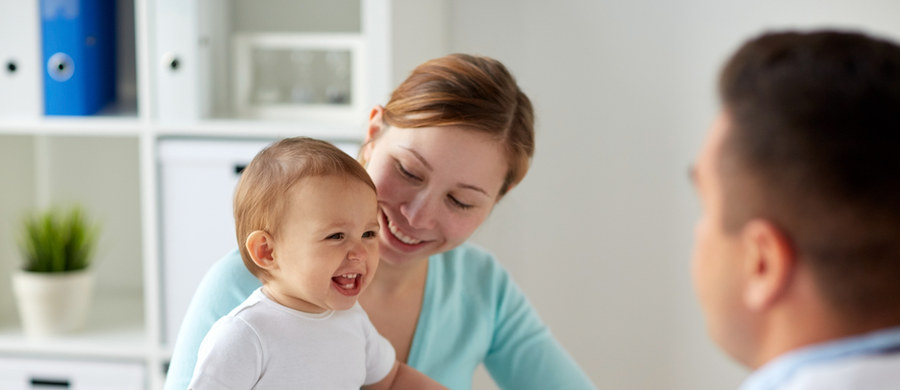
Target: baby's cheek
373	256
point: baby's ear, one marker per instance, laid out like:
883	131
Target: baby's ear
261	247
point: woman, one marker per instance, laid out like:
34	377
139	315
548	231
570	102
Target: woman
455	137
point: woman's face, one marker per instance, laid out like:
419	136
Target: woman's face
436	185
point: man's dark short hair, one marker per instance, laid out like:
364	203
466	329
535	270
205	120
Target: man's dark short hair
813	146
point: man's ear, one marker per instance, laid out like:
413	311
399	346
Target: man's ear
769	264
261	247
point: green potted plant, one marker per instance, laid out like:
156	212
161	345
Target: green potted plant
54	287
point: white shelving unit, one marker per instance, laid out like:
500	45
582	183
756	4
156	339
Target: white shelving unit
110	164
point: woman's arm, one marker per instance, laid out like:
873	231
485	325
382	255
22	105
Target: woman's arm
473	313
224	287
523	353
403	377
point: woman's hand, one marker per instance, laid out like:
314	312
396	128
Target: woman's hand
405	377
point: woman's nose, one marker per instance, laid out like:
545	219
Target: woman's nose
421	211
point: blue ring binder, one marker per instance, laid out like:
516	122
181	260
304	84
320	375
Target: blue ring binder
78	45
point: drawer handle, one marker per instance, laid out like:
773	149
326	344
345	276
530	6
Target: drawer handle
56	383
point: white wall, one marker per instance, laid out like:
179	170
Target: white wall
17	161
600	232
419	32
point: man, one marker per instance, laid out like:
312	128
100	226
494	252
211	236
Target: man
797	253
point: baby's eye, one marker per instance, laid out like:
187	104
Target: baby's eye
335	236
369	234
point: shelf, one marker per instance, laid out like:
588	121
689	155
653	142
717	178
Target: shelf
115	330
119	119
178	73
244	128
115	126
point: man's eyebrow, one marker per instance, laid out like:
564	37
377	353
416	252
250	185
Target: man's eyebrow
419	156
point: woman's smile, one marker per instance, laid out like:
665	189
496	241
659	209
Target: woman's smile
400	236
396	237
435	187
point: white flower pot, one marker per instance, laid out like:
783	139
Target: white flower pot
51	304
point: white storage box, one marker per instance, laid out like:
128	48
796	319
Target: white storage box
47	374
197	188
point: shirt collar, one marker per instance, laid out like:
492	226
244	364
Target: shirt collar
779	371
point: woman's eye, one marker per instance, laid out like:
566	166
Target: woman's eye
457	203
336	236
369	234
407	173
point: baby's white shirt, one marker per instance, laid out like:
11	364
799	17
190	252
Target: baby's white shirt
264	345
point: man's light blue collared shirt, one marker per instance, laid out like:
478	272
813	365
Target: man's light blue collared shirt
778	372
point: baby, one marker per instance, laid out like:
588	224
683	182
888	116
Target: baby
306	219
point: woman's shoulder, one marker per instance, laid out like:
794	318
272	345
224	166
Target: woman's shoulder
468	270
468	258
230	263
225	285
230	271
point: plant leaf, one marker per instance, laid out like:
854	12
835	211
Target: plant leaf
57	241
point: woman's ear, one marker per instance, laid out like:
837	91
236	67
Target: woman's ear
770	264
376	126
261	247
376	123
508	189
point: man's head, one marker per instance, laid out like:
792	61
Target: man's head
802	167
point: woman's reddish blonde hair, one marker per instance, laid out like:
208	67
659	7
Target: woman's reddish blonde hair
473	92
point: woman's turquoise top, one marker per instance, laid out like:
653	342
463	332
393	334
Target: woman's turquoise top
472	313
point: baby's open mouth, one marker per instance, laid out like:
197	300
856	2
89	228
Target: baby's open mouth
347	284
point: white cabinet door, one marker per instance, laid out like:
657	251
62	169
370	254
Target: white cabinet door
33	374
197	181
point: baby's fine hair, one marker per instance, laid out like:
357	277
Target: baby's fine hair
259	199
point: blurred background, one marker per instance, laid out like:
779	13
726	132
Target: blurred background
598	235
600	232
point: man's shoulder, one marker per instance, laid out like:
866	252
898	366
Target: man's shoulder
870	372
